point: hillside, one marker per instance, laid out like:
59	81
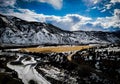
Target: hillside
17	31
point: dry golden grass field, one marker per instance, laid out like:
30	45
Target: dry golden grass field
56	49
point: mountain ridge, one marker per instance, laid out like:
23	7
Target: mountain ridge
14	30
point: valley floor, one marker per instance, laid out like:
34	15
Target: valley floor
55	49
55	65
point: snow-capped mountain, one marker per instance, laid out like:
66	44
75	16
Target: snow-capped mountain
17	31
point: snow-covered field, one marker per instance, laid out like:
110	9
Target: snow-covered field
98	65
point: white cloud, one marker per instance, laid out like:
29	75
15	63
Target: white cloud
117	14
5	3
96	1
101	5
71	21
93	7
27	15
91	3
67	22
108	6
57	4
114	1
101	23
103	10
107	22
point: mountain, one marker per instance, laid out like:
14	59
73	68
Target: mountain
17	31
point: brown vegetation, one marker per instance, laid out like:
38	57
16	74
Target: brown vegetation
54	49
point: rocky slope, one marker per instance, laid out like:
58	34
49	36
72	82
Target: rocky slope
17	31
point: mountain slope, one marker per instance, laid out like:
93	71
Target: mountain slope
17	31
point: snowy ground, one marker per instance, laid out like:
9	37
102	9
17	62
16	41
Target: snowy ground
96	65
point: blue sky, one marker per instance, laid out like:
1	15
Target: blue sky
88	15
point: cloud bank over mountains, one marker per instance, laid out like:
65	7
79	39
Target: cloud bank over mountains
69	21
